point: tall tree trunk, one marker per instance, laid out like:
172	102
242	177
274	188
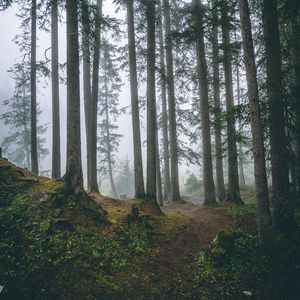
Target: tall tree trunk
56	159
208	181
111	179
217	107
283	208
264	221
240	147
93	187
295	29
73	177
233	194
174	183
159	195
135	112
34	154
166	153
151	102
86	34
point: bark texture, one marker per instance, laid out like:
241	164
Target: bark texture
208	181
264	221
34	154
135	112
56	158
73	177
217	107
233	194
283	210
166	152
174	183
151	102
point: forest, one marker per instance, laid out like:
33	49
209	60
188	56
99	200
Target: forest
150	149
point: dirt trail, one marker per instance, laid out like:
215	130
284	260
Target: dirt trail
167	272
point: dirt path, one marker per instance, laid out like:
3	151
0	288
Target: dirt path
167	272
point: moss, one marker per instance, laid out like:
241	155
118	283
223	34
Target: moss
52	186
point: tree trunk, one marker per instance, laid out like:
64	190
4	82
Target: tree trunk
208	181
34	155
166	153
159	195
73	177
86	34
93	187
283	208
217	108
56	159
264	222
174	183
240	147
295	26
233	194
111	179
135	112
151	102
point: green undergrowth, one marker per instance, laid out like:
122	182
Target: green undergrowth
237	269
44	257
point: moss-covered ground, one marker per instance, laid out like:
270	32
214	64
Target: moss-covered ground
67	252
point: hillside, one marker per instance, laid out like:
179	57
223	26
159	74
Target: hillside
67	252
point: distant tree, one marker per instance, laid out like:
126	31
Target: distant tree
16	145
192	185
109	111
125	178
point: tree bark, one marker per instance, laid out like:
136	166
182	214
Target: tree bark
217	107
174	183
56	159
34	154
283	208
135	112
233	194
86	33
151	102
208	182
73	177
159	195
93	187
166	153
264	221
240	147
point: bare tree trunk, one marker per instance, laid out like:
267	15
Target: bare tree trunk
56	159
94	101
208	181
295	28
240	147
264	221
34	155
135	112
174	183
87	83
233	194
283	208
166	153
159	195
217	107
73	177
151	102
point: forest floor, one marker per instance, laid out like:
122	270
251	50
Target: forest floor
48	252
